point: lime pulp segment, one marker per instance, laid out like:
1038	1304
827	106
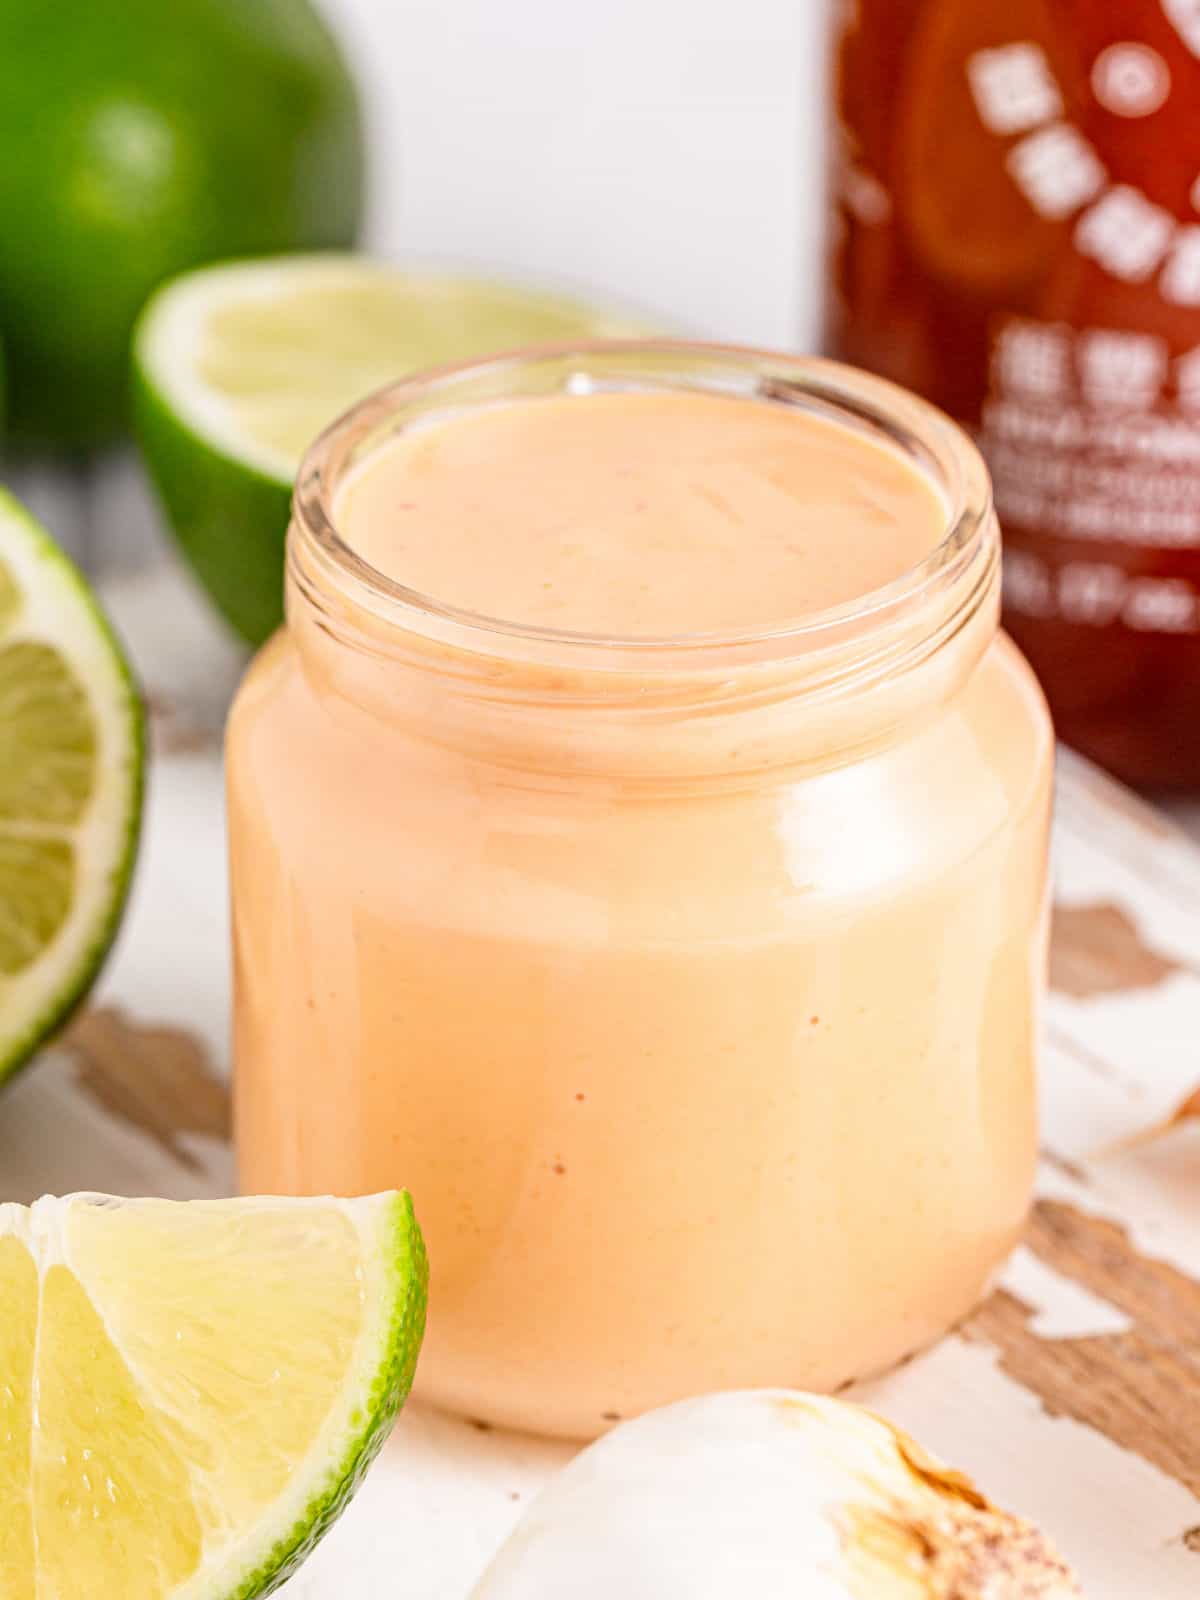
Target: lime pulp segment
71	758
212	1380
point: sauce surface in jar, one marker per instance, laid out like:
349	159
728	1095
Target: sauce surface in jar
641	515
638	851
1018	206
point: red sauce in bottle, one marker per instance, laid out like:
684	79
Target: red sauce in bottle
1018	197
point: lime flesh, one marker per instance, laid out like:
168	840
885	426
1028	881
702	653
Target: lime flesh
212	1380
71	761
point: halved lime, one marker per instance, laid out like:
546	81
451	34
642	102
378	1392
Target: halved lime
238	368
71	757
191	1392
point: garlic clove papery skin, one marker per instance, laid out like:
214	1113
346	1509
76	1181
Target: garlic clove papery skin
768	1495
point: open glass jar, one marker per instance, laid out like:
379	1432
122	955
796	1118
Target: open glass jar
690	985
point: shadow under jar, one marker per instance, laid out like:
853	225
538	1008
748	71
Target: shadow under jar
689	983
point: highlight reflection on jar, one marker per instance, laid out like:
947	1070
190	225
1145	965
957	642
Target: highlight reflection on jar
638	847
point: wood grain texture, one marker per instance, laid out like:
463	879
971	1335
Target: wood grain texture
157	1079
174	730
1099	949
1140	1388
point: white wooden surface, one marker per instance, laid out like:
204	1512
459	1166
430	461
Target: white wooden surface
1116	1058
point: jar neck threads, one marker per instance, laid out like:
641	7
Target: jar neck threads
788	686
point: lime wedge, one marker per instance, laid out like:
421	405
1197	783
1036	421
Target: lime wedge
191	1392
238	368
71	754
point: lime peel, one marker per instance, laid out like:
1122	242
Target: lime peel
271	1408
72	756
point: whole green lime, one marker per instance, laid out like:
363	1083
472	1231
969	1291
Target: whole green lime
139	138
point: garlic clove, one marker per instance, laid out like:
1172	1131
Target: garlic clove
774	1495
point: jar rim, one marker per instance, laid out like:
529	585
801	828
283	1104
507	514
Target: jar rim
319	558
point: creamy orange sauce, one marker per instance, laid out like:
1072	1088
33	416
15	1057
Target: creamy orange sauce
636	515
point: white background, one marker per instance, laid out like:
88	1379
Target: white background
665	152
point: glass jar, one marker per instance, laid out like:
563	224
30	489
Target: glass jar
1017	202
690	985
